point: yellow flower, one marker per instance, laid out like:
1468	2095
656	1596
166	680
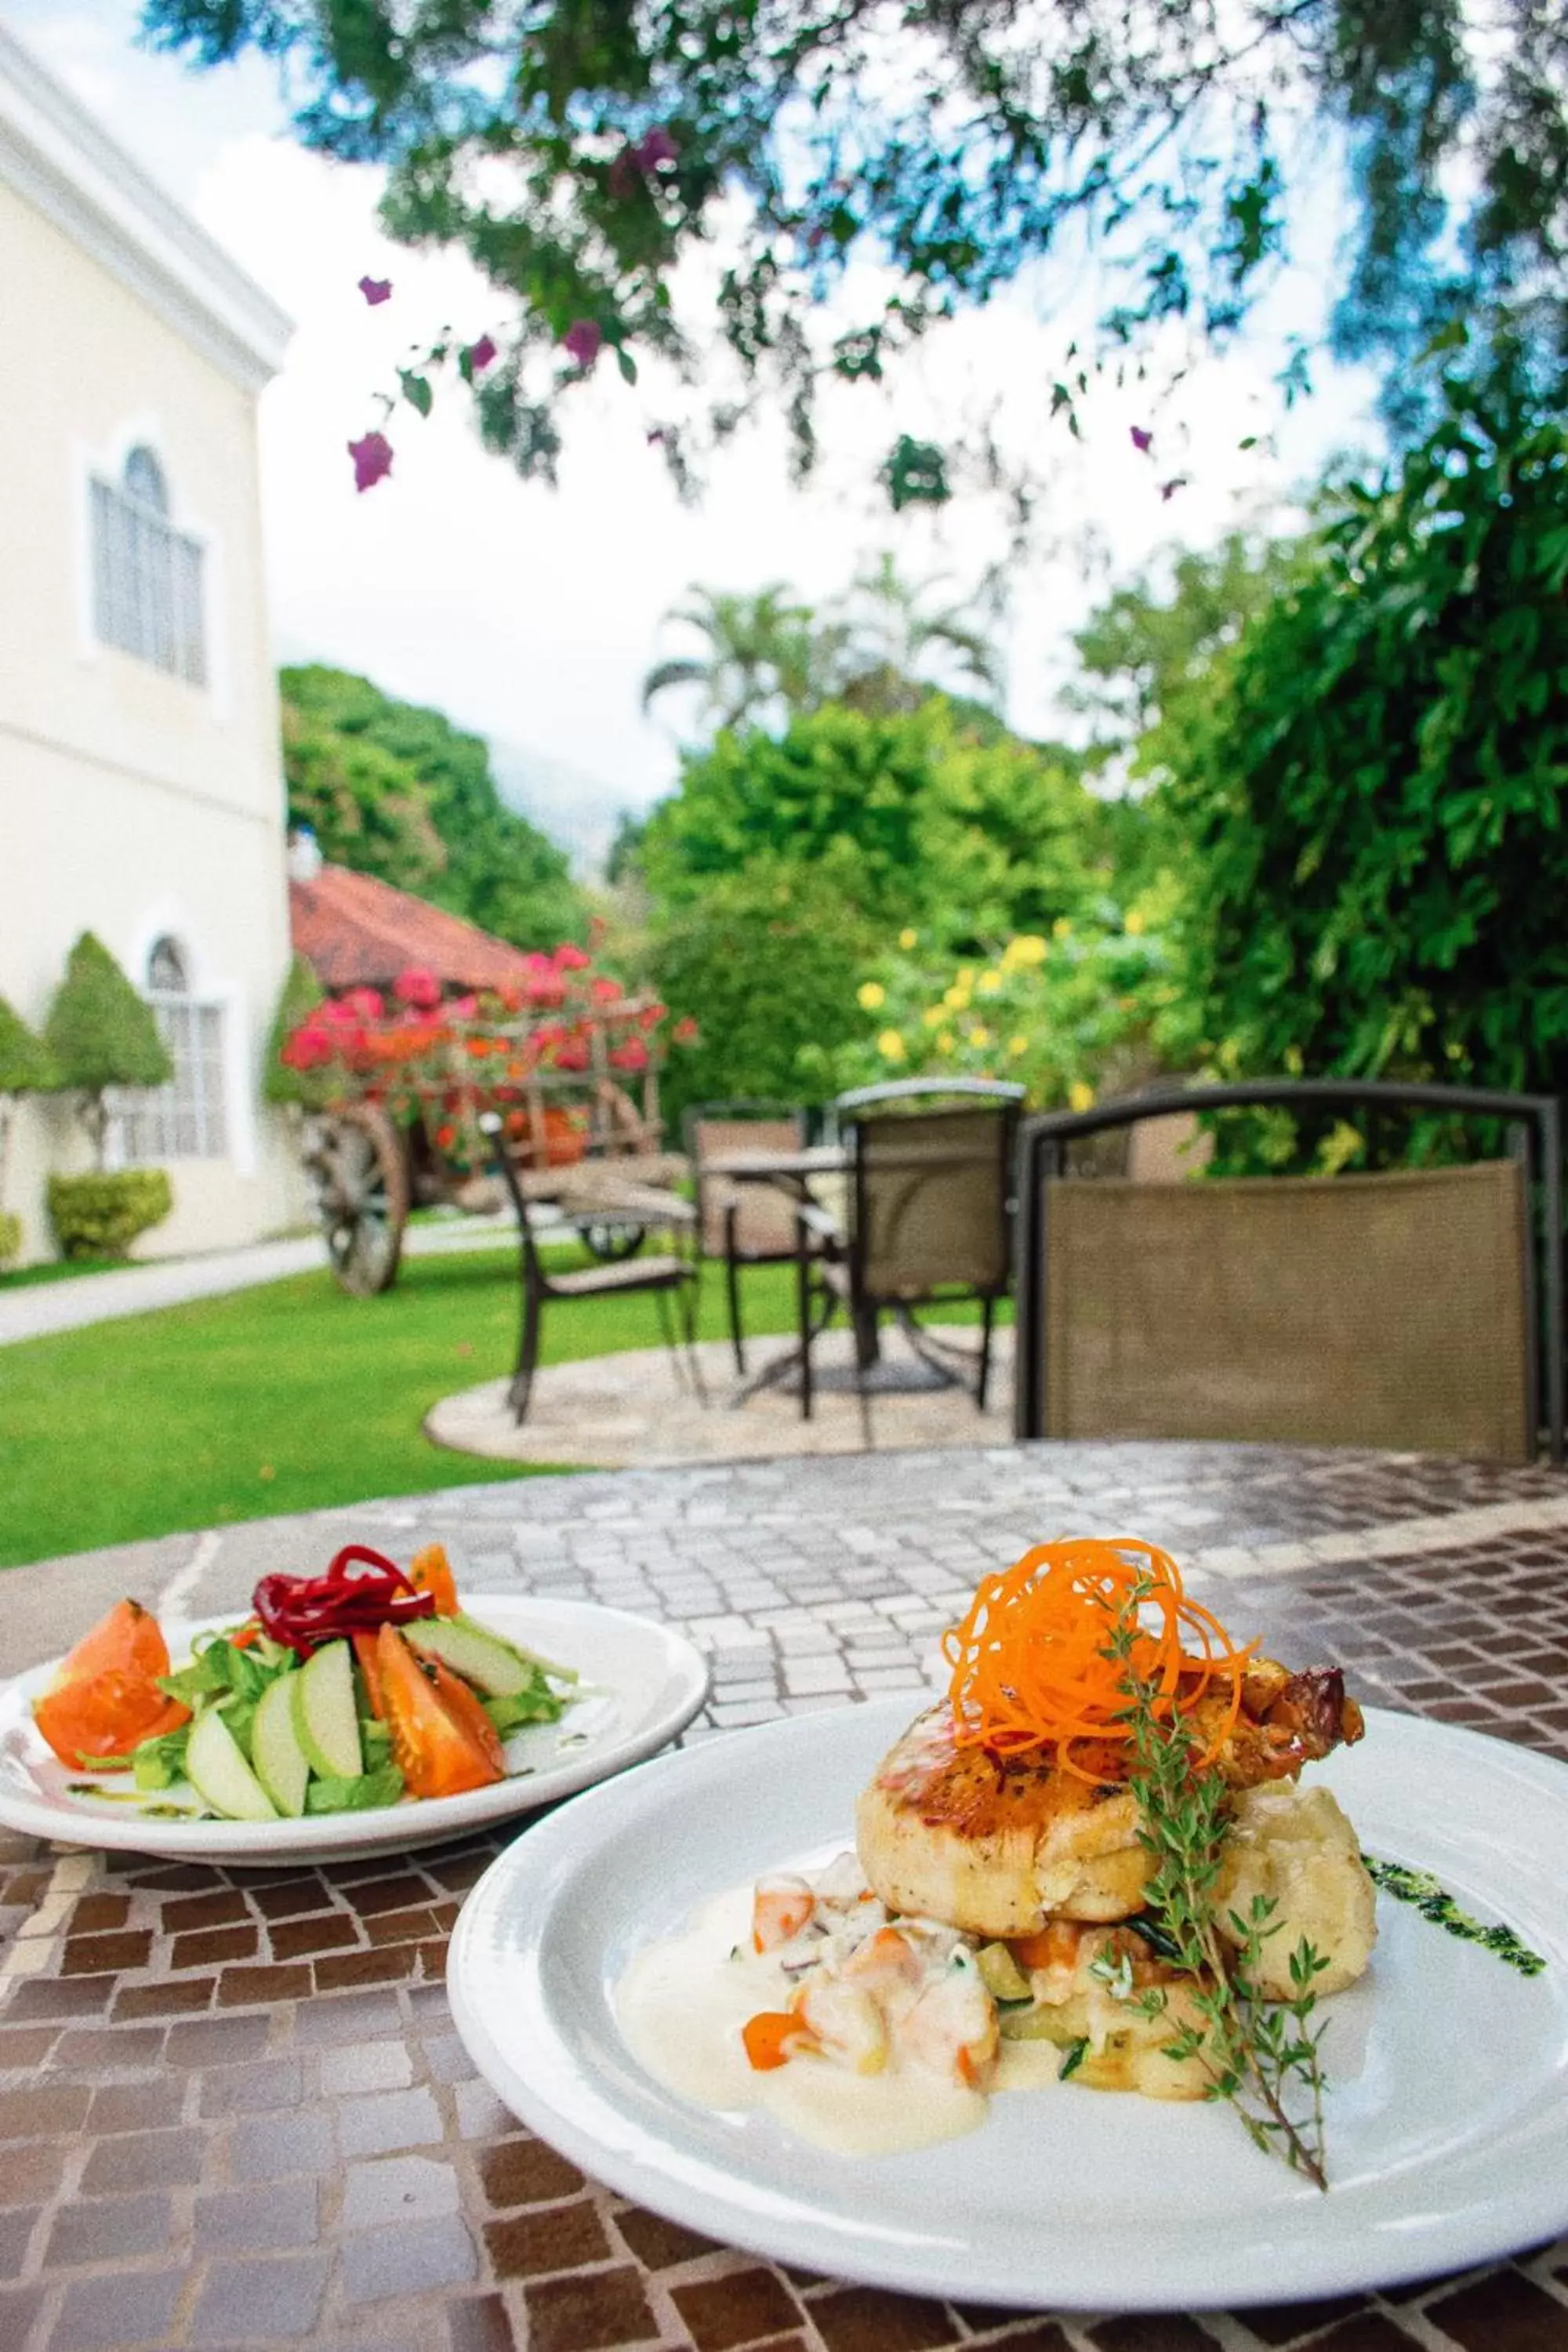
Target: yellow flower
1294	1063
944	1043
890	1045
908	937
1061	929
1135	923
932	1016
1027	950
1079	1095
1018	1045
871	994
989	983
980	1036
957	997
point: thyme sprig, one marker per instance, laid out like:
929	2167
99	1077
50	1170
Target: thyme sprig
1261	2055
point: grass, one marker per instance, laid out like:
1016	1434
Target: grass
60	1269
288	1397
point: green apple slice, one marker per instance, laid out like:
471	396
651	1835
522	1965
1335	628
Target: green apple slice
326	1721
217	1771
282	1764
492	1666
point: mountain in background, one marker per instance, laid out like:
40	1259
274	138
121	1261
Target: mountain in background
581	812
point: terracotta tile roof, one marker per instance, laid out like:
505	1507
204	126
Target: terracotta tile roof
355	931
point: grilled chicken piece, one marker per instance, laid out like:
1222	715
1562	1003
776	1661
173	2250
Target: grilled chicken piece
994	1844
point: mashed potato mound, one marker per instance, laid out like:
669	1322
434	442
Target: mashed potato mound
1296	1845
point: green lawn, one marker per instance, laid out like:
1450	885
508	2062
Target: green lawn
285	1397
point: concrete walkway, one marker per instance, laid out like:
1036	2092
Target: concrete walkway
36	1309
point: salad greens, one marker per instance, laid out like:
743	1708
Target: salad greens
229	1676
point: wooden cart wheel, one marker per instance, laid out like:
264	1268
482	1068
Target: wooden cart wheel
358	1168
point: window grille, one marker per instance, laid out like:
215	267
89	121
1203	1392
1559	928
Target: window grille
187	1119
146	576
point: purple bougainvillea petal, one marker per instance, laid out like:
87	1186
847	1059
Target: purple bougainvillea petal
656	147
373	460
584	341
376	289
1141	441
480	354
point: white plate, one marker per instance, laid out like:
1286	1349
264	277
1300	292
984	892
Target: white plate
645	1683
1447	2115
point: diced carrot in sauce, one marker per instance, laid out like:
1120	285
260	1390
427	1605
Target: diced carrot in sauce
769	2036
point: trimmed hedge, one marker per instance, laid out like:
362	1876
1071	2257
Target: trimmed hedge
100	1216
10	1237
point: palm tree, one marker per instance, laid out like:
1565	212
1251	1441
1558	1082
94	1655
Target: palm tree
762	649
889	640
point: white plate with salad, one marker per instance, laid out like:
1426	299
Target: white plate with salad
317	1731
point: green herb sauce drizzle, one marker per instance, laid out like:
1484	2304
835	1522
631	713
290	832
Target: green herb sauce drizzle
1435	1902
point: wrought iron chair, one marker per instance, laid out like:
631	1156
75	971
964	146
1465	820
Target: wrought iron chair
930	1222
1409	1308
666	1276
744	1222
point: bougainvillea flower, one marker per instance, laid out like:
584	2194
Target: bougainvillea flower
373	460
650	1016
1141	441
376	289
604	992
463	1008
632	1056
685	1031
480	354
417	986
365	1004
571	959
654	148
583	339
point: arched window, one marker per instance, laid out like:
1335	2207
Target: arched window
146	576
184	1119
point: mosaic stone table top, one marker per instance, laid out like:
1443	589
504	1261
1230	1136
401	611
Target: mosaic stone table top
233	2111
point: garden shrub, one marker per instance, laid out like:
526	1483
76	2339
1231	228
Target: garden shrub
101	1216
766	963
1372	788
282	1082
100	1034
918	816
10	1237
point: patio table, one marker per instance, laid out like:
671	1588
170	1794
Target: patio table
232	2106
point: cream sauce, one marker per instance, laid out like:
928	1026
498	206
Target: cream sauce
681	2005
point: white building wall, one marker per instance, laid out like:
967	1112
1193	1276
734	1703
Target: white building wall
132	803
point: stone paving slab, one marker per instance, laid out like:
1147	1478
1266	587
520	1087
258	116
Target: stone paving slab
233	2107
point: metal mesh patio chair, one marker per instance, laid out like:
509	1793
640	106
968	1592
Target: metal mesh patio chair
670	1277
1398	1309
930	1222
745	1224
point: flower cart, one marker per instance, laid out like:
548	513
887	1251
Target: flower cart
393	1088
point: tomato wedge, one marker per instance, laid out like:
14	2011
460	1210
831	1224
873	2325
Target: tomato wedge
105	1699
430	1571
368	1658
437	1753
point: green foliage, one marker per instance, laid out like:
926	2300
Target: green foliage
1140	650
25	1063
588	156
766	961
1372	785
1089	1009
101	1216
100	1032
300	993
908	817
10	1237
396	791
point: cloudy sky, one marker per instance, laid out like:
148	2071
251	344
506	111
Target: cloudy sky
531	615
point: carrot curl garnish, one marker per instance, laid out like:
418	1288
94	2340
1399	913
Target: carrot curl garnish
1033	1665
